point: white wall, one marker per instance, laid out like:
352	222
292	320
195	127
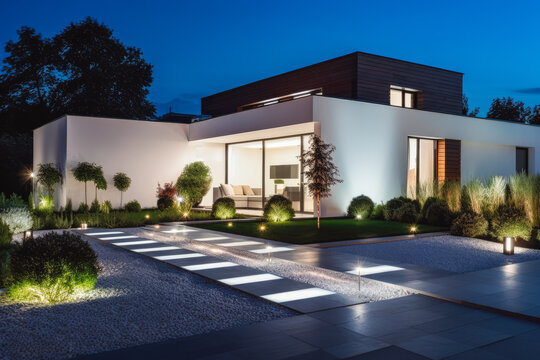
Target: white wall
50	147
245	166
371	146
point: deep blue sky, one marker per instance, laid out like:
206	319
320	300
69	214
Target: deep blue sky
202	47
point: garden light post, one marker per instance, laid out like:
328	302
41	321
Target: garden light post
413	229
508	246
84	226
28	234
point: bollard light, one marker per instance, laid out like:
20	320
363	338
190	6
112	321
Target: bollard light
186	214
28	234
508	246
413	229
269	249
84	226
156	226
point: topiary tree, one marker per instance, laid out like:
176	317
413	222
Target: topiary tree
224	208
133	206
360	206
194	182
278	208
99	180
121	182
321	173
84	172
49	176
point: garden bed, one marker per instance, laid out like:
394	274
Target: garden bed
136	301
306	232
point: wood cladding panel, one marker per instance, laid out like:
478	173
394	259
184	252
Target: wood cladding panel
448	160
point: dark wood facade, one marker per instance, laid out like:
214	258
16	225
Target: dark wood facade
448	160
357	76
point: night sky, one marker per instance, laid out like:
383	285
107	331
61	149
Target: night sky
203	47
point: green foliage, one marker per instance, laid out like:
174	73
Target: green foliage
509	109
407	213
14	201
378	212
5	259
122	182
450	191
429	201
469	224
106	207
46	204
69	206
473	196
510	221
525	194
31	205
52	268
5	235
438	213
48	175
164	203
361	205
224	208
133	206
18	219
278	208
194	182
427	190
83	208
392	206
95	207
84	172
493	195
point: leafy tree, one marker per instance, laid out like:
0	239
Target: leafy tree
84	172
465	107
99	179
534	118
49	176
121	182
509	109
321	173
194	182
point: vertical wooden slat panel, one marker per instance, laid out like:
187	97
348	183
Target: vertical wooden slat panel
449	160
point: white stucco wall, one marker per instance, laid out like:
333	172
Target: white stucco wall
371	146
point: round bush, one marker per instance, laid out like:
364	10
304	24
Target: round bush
510	221
438	213
52	268
430	200
469	224
133	206
391	207
18	219
361	205
194	182
224	208
278	208
407	213
164	203
378	212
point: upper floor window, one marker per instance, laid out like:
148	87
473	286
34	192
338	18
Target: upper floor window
403	97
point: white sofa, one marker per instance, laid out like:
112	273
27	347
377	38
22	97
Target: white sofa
244	196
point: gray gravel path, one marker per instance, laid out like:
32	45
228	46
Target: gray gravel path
451	253
137	301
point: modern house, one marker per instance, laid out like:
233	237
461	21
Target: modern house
395	125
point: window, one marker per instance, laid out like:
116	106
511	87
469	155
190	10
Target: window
421	164
403	97
522	160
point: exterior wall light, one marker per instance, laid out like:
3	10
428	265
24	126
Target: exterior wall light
84	226
32	175
28	234
508	246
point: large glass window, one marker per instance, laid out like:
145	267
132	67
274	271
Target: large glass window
403	98
244	167
421	164
522	160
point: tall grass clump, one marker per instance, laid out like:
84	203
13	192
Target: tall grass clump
493	195
450	191
427	190
525	194
473	195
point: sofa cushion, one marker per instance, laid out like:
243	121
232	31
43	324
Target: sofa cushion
239	197
227	190
238	190
247	190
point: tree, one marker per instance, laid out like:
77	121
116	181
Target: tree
49	176
534	118
84	172
99	179
194	182
509	109
321	173
121	182
465	107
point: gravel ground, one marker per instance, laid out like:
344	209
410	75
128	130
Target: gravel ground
137	301
451	253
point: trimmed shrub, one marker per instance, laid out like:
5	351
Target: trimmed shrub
48	175
427	204
13	201
5	235
407	213
510	221
360	205
391	207
166	195
106	207
122	182
52	268
133	206
224	208
438	213
378	212
18	219
278	209
83	208
194	182
94	208
164	203
46	204
469	224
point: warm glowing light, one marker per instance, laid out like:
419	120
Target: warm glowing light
186	214
508	246
32	175
156	226
413	229
229	224
84	226
359	217
27	234
147	216
262	227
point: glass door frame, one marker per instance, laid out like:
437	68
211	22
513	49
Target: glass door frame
263	190
435	158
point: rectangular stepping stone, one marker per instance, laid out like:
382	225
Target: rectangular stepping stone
104	233
178	256
214	265
240	280
211	238
153	249
240	243
271	250
118	237
287	296
138	242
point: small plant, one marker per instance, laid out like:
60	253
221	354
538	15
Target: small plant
493	196
122	182
83	208
473	196
438	213
52	268
31	205
224	208
469	224
278	208
427	190
69	206
46	204
378	212
166	195
18	219
511	221
360	206
106	207
525	193
194	182
133	206
62	221
407	213
450	191
13	201
48	175
5	235
94	208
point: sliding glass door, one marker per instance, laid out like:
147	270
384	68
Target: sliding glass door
421	169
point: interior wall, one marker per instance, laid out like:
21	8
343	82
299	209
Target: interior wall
281	156
245	166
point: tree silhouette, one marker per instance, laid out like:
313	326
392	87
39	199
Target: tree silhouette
465	107
509	109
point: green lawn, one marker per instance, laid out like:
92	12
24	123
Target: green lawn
305	231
